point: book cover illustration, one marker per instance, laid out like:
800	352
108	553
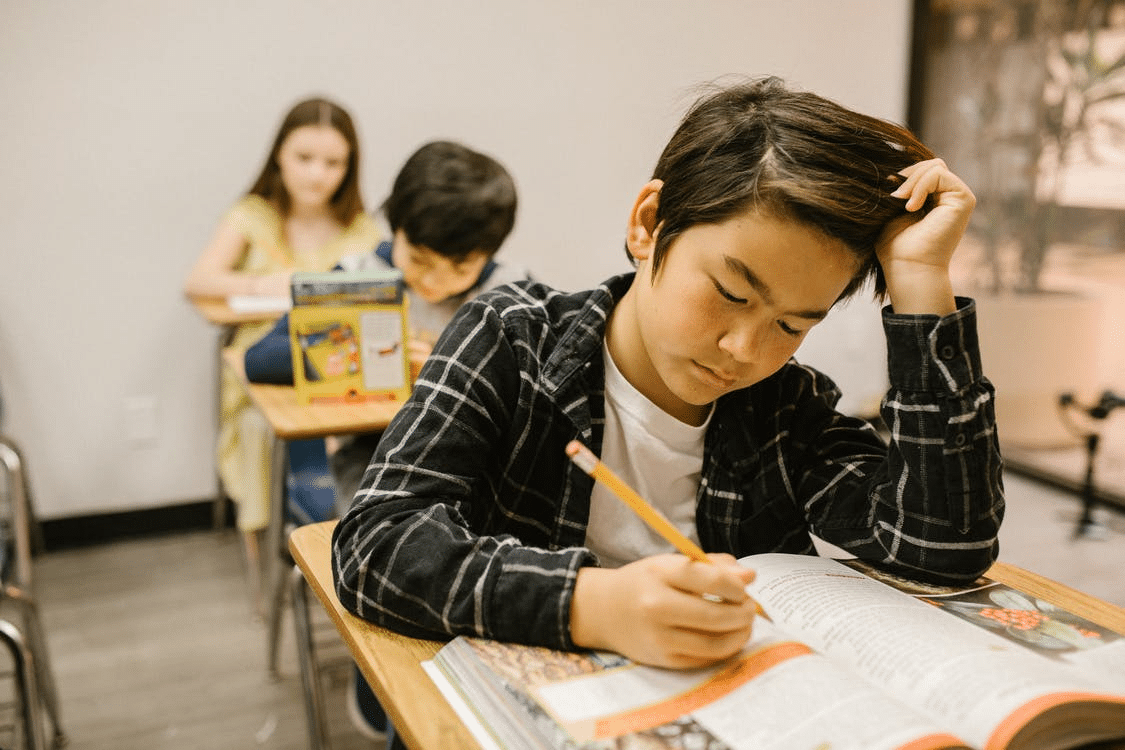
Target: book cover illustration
348	333
1015	615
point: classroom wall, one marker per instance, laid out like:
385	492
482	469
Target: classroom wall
129	126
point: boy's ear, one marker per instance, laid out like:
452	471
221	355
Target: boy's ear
642	230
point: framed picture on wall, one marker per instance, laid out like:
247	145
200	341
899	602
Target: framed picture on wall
1026	101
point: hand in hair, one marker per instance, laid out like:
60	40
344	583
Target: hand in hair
915	250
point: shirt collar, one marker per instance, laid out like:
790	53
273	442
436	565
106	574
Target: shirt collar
581	343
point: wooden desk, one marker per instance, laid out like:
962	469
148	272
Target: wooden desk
291	419
392	663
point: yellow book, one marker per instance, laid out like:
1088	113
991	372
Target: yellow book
348	334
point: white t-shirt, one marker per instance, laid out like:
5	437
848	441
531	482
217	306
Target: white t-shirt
654	453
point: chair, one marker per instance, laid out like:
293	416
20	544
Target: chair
28	645
27	687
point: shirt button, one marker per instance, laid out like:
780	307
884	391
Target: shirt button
947	352
959	439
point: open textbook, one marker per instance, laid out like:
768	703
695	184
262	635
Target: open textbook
853	659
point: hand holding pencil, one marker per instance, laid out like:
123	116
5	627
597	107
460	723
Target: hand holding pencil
679	613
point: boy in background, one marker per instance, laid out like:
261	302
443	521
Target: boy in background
449	211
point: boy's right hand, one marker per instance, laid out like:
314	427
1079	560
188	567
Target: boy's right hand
654	612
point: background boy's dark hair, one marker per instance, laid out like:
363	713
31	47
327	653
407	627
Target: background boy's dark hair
452	200
347	202
793	154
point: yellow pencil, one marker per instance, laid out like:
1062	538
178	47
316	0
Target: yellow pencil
585	459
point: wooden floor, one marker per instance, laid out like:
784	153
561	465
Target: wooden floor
155	644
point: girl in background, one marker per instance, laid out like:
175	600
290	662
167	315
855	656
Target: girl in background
303	213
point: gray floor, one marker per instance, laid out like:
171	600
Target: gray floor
155	644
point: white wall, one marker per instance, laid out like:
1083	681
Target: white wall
127	127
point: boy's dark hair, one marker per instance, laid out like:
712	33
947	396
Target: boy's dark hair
792	154
452	200
347	202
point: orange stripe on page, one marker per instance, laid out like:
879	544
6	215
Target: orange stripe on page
723	683
1006	730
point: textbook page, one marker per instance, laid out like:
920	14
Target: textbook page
776	695
932	653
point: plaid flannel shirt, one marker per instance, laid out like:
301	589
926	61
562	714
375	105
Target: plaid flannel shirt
471	519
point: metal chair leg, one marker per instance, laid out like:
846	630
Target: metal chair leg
276	555
36	641
24	667
17	467
309	667
21	515
277	610
19	586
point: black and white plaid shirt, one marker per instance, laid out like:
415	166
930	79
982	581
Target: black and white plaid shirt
471	519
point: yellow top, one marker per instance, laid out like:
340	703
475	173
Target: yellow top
268	250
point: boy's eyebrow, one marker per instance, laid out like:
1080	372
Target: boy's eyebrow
763	290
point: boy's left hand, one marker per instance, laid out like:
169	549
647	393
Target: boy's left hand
915	250
418	350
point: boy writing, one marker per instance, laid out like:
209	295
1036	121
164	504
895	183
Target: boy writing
766	208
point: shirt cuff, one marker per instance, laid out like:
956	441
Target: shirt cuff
931	352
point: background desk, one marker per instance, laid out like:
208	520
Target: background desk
292	419
392	663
